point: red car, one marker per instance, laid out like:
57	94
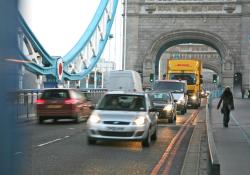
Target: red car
62	104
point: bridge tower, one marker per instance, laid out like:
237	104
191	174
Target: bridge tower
153	26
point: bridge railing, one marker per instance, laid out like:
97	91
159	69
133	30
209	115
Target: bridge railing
214	162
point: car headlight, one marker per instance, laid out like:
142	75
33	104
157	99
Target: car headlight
168	107
180	101
141	120
94	119
194	97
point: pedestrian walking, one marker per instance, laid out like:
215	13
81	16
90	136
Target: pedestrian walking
228	105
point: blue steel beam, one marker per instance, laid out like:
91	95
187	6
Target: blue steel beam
85	38
37	69
47	59
94	59
50	67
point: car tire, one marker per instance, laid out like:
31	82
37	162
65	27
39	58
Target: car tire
183	111
154	136
91	141
40	120
147	141
77	119
171	120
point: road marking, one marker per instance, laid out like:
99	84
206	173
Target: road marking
245	134
172	148
52	141
71	128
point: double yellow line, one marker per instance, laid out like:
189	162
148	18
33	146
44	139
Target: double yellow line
171	151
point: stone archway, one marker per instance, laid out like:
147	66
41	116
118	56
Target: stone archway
167	40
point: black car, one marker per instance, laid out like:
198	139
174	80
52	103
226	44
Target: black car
165	104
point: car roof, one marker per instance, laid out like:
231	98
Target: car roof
58	89
182	81
125	93
161	91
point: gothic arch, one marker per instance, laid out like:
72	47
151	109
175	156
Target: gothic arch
169	39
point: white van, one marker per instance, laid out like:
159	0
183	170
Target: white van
124	80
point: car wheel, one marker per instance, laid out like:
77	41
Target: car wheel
91	141
77	119
40	120
170	120
154	136
146	142
182	111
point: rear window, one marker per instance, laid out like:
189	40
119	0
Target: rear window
122	102
160	96
58	94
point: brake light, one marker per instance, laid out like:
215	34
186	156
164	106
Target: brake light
71	101
40	101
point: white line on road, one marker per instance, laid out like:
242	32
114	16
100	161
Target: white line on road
52	141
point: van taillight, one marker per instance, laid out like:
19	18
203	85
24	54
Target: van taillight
40	101
71	101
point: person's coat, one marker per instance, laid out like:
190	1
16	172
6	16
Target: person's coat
228	101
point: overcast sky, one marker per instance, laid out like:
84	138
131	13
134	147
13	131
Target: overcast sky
58	24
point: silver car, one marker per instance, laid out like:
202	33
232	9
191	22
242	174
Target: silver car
123	116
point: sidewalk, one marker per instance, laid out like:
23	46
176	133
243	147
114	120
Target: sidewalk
233	143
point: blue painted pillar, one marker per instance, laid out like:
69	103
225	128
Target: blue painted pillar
8	85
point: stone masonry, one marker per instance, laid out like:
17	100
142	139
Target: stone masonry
152	26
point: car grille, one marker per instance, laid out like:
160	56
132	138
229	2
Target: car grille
116	134
116	123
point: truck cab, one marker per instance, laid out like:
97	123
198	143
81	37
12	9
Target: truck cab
189	70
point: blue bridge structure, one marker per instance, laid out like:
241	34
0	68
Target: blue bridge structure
81	59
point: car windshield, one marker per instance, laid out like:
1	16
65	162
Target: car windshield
167	85
121	102
159	96
58	94
190	78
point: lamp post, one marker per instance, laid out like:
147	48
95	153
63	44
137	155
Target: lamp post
124	34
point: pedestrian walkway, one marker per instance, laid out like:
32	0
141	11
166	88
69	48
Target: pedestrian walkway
233	143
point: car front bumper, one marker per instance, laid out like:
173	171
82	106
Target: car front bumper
117	132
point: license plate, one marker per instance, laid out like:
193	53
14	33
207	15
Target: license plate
115	128
54	106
